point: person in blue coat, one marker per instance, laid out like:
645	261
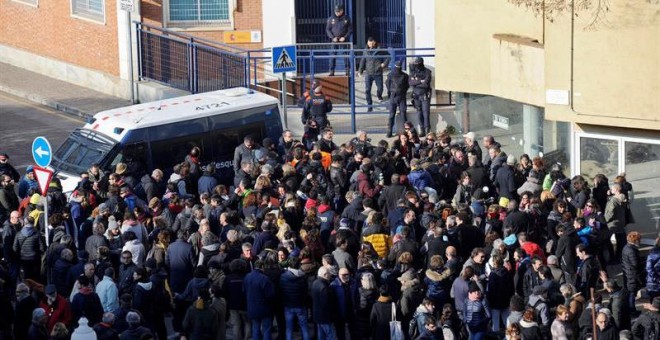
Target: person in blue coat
345	292
181	262
260	292
27	182
294	292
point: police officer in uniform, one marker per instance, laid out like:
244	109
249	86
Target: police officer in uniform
420	82
397	87
317	106
338	29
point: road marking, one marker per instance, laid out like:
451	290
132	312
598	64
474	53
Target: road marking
48	110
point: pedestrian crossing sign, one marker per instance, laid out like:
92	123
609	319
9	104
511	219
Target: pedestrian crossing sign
284	59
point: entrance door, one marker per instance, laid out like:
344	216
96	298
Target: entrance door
385	20
639	159
311	18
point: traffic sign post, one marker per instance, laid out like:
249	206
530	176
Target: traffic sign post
42	152
284	60
43	177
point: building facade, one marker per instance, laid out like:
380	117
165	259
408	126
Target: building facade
581	86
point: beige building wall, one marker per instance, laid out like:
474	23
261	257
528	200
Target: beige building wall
616	66
493	47
470	58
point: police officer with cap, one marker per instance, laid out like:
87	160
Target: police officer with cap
397	87
338	28
420	82
317	106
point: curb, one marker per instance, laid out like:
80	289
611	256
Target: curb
67	109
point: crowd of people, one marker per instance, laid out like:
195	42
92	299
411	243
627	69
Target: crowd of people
311	239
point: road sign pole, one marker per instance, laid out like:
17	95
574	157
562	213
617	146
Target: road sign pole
46	220
284	91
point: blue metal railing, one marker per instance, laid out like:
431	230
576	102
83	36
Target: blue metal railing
198	65
189	63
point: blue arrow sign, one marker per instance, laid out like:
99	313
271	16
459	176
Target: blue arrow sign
284	59
42	152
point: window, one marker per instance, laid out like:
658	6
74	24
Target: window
34	3
189	13
639	159
89	9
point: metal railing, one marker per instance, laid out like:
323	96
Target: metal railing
198	65
189	63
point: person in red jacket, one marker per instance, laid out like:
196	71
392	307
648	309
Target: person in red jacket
57	308
532	249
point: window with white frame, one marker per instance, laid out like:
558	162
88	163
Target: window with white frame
34	3
89	9
187	13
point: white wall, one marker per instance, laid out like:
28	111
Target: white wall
279	24
420	28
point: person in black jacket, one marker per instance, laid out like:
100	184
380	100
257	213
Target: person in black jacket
499	292
397	87
633	268
420	81
323	302
294	292
37	330
588	271
338	29
381	314
565	244
374	61
29	245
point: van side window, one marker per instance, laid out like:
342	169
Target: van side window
168	152
135	156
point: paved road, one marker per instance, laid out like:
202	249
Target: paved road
21	121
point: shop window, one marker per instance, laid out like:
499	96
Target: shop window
599	156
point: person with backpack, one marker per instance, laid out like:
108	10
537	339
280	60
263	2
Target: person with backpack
538	301
417	324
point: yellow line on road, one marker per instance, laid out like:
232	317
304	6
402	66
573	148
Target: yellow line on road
39	107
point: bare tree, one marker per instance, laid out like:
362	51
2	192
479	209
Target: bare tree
551	9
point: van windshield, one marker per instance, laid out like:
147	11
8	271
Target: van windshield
82	149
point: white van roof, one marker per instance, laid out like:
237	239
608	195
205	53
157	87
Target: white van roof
177	109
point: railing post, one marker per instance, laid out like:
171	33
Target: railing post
138	36
246	70
351	88
191	67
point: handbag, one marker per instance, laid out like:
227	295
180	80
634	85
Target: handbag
396	332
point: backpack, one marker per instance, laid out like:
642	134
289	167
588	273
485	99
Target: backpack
413	330
538	315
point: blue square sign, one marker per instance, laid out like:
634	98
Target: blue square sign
284	59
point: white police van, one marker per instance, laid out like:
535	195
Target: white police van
159	134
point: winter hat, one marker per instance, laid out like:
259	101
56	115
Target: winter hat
29	169
511	160
103	207
50	290
344	223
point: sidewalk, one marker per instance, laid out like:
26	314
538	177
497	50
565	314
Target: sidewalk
60	95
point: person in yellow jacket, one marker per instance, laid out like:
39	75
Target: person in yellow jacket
374	232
